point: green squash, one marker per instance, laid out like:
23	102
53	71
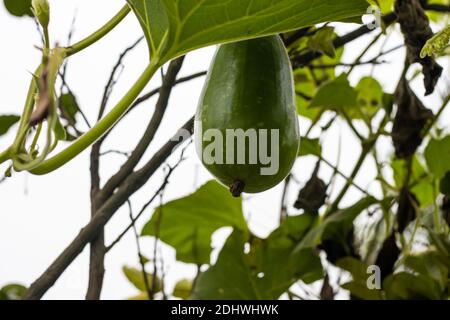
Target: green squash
246	126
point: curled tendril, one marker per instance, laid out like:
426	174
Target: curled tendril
437	43
45	109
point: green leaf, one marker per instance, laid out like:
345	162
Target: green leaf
6	122
358	286
136	278
12	292
60	132
422	188
437	43
437	155
188	223
174	28
18	8
444	185
267	271
69	107
386	6
429	263
307	81
441	242
335	226
406	286
369	98
335	94
322	41
310	147
183	289
230	278
273	257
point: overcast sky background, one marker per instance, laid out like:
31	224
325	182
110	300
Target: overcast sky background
39	216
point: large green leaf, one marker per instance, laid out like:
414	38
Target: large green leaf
188	223
230	278
437	155
6	122
175	27
272	257
264	273
267	271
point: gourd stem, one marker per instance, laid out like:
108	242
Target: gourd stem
100	33
100	128
237	188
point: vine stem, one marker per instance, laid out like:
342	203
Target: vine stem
100	33
5	155
71	50
100	128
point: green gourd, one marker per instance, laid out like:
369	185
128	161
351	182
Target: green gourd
248	94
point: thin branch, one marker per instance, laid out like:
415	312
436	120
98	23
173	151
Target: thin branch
146	205
138	247
122	153
133	183
160	109
113	79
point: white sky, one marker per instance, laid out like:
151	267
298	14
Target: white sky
41	215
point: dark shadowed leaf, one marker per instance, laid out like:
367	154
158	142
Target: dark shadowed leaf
407	207
188	223
18	8
6	122
313	195
444	185
388	256
411	118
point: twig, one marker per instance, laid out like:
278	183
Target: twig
133	183
146	205
138	247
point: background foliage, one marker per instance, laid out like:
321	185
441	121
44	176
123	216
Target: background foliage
403	227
